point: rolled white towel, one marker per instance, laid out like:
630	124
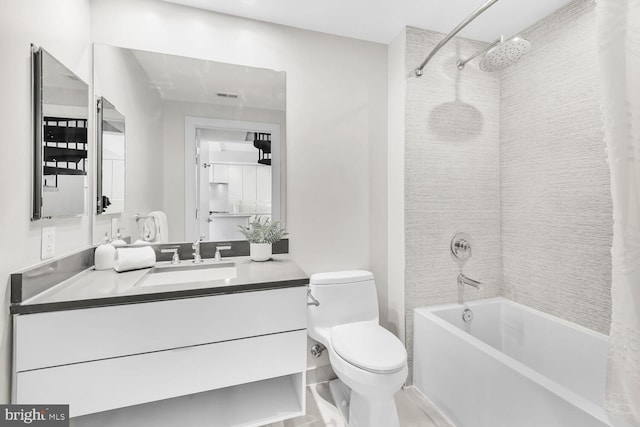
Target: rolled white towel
126	259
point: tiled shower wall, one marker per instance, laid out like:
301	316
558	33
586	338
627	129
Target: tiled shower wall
516	159
451	173
556	205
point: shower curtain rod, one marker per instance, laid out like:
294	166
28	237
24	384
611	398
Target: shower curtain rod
453	32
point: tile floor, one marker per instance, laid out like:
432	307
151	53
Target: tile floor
413	410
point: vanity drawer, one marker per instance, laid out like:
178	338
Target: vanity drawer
63	337
125	381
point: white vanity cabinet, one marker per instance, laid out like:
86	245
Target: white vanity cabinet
102	358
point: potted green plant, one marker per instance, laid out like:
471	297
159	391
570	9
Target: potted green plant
261	234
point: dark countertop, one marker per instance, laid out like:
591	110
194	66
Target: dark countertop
92	288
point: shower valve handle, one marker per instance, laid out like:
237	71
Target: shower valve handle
461	246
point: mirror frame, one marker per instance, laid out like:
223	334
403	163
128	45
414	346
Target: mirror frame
100	154
36	120
99	157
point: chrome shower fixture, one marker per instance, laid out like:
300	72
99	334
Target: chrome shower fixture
460	247
453	32
499	54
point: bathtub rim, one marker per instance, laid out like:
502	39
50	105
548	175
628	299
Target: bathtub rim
574	398
471	304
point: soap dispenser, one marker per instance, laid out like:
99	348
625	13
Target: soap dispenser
118	241
104	254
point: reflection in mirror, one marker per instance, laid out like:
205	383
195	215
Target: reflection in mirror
176	106
111	159
234	178
60	115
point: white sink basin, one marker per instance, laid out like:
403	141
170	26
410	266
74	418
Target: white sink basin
173	275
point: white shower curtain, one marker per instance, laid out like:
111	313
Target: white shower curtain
619	53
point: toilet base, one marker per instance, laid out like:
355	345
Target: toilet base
362	411
341	396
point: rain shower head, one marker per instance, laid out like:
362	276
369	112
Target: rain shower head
500	54
504	54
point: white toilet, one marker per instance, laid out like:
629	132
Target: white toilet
370	362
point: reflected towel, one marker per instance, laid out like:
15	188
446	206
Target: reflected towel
149	229
162	228
133	258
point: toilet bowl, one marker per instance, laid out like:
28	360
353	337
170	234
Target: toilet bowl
370	362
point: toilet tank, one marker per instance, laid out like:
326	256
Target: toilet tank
344	297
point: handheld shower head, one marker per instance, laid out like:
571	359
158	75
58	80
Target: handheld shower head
504	54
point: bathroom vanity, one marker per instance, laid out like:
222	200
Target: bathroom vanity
103	340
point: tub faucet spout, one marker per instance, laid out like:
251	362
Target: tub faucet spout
464	280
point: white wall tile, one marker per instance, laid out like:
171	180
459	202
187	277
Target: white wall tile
451	173
556	204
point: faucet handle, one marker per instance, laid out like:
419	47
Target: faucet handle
176	257
461	247
220	248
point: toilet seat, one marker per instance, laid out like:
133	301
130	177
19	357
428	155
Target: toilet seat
369	346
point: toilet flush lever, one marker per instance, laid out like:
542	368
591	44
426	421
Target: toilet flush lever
314	301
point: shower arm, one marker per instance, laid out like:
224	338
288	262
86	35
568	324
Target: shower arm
462	62
455	31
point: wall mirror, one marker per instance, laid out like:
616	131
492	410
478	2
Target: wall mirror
110	148
205	140
60	115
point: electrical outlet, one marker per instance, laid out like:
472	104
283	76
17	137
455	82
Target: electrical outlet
48	242
114	228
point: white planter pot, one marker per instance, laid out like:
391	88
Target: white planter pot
260	251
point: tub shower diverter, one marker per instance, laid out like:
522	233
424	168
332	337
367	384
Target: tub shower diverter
172	274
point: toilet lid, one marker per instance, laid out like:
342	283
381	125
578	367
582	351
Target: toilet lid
369	346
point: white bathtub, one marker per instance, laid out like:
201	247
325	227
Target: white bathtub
511	366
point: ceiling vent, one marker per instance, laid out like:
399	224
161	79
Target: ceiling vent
227	95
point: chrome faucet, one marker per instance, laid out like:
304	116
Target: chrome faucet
197	259
464	280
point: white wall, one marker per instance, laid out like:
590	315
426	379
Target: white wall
395	250
62	28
